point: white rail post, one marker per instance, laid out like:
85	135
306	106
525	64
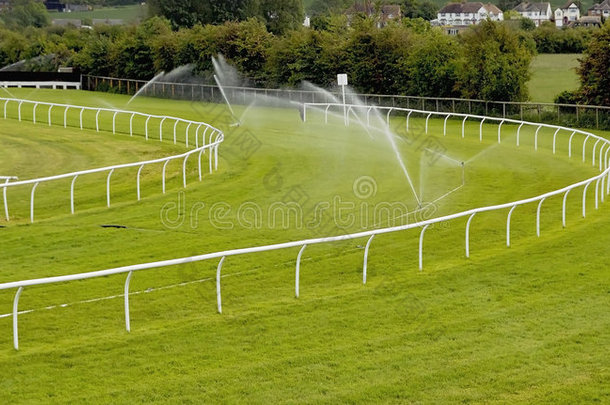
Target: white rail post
536	137
218	296
19	110
326	114
584	200
66	116
187	133
563	209
464	123
467	237
298	271
5	199
126	296
408	116
197	136
538	217
555	139
175	125
602	194
80	117
510	213
593	153
108	188
445	125
427	118
15	318
184	171
203	136
49	114
500	131
349	109
584	147
601	161
72	194
97	120
146	128
32	202
368	116
114	122
5	103
366	258
131	124
570	144
199	164
519	132
606	163
421	247
161	129
163	175
597	194
481	130
34	113
138	181
387	118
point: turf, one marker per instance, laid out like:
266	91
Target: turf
519	325
127	13
552	74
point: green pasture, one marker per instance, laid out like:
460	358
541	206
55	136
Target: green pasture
552	74
128	13
522	324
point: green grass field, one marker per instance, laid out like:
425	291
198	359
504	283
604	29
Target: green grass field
127	13
552	74
519	325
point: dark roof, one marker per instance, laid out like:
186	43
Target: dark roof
491	8
370	9
568	4
604	5
458	8
525	6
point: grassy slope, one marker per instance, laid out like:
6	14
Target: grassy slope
127	13
524	324
552	74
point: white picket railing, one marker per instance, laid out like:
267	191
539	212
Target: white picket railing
214	138
602	179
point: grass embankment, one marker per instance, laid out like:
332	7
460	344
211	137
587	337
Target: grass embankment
525	324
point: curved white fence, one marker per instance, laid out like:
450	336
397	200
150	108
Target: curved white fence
602	187
210	143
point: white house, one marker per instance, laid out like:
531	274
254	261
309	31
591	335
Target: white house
567	14
537	12
600	10
459	14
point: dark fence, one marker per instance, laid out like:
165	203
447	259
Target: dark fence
585	116
39	77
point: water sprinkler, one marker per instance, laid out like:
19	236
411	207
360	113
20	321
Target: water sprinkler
222	91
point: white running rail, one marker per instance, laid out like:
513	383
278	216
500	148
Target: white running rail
602	179
210	143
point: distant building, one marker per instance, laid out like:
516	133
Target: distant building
3	4
567	14
385	13
600	10
464	14
537	12
107	21
587	21
63	22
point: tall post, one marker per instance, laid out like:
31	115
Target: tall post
342	81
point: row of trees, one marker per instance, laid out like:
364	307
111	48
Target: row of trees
278	15
489	62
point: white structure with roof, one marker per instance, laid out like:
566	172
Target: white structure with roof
456	14
537	12
567	14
